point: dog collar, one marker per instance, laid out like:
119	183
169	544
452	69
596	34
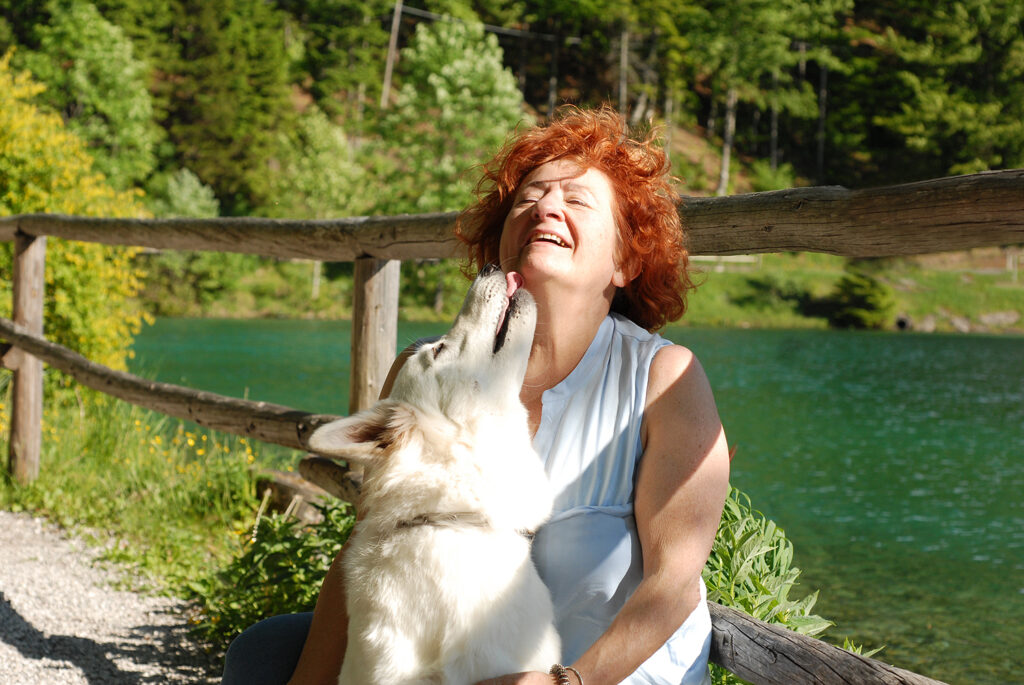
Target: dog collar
453	519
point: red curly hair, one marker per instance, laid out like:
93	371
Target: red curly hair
651	238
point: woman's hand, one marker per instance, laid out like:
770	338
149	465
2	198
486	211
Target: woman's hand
528	678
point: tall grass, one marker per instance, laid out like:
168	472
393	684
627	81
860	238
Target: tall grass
155	492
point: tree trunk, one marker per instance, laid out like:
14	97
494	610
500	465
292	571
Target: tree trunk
669	113
822	97
774	144
712	125
396	19
553	80
730	133
623	69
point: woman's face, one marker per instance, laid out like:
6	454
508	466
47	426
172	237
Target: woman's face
562	228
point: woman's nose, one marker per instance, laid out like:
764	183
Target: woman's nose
549	206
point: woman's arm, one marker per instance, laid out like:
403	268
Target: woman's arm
320	661
324	650
681	487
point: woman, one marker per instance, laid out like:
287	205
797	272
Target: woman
625	420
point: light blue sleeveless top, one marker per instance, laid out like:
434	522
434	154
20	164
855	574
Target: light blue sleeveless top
588	553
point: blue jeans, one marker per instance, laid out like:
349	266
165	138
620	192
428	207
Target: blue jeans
266	653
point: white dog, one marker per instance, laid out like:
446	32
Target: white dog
439	582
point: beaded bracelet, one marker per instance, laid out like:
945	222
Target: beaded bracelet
561	675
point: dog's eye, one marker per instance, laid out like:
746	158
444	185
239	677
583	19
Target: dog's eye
437	349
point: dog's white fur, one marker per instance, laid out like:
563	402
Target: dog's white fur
449	601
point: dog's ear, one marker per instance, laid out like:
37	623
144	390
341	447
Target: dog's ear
364	436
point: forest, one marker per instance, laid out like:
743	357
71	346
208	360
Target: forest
297	108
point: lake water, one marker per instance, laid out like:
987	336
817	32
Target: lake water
895	462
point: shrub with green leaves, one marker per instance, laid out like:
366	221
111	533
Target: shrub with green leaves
279	571
751	569
861	300
97	84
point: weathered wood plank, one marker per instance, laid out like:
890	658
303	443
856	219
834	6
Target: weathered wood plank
421	236
956	213
766	654
27	383
337	479
374	329
260	420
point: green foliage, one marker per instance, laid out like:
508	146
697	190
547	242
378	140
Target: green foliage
99	87
342	45
319	177
182	194
279	570
764	178
456	106
740	44
179	281
173	498
861	300
231	96
431	289
961	69
751	569
44	168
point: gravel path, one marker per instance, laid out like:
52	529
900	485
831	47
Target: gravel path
62	621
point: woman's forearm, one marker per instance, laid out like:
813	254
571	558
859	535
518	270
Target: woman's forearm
646	621
320	662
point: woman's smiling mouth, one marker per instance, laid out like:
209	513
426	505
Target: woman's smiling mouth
546	238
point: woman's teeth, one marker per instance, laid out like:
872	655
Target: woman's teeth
547	237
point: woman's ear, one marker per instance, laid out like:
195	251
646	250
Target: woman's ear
626	271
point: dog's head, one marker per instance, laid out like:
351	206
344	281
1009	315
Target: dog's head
478	366
470	376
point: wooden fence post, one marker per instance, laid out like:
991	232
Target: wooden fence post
374	328
27	389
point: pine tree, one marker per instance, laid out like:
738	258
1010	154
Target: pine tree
230	96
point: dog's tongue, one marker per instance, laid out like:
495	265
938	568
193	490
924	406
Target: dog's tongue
514	282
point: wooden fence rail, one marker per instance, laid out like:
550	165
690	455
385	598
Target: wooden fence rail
979	210
946	214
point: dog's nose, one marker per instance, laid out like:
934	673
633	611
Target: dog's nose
489	269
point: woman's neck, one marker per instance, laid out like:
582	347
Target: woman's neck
565	330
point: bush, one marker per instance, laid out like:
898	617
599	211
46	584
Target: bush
751	569
860	300
90	288
279	571
764	178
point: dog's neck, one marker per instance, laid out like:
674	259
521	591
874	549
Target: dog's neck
453	519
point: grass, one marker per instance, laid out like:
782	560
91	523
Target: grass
789	290
172	501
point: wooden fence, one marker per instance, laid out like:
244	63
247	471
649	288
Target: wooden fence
957	213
